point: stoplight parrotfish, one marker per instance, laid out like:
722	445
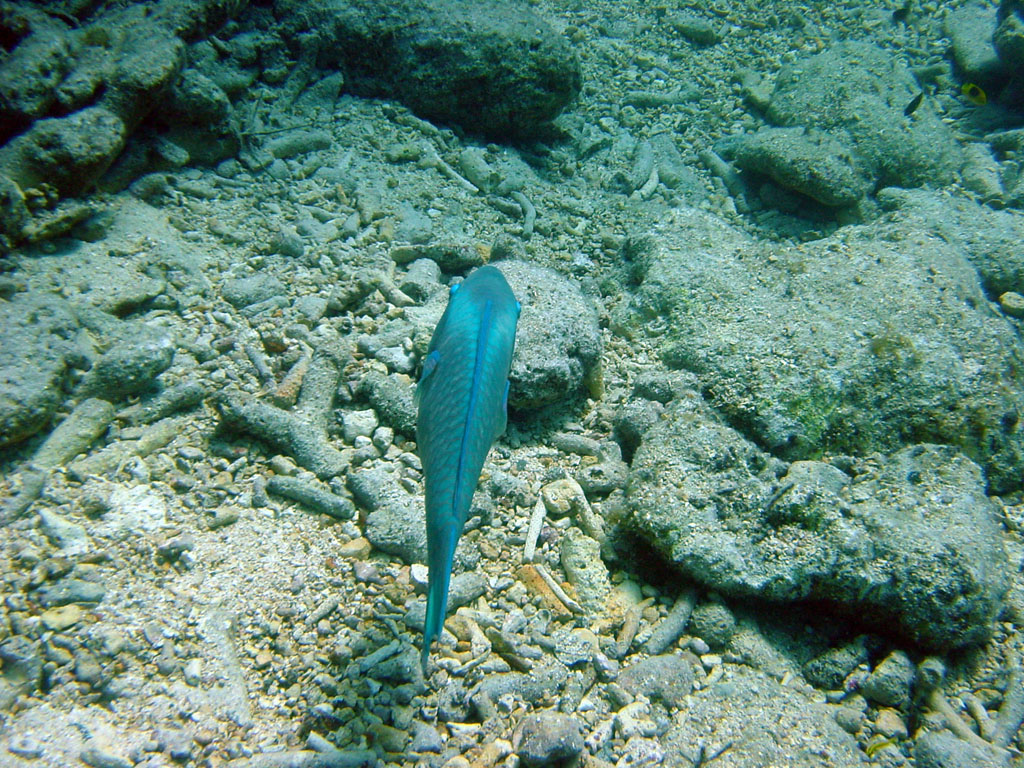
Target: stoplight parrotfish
462	397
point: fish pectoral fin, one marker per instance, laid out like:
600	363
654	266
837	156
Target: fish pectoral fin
430	364
428	368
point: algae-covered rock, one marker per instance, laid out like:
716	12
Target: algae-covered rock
490	67
810	162
858	92
908	544
36	350
855	343
69	152
32	71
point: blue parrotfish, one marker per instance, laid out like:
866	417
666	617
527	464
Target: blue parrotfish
463	400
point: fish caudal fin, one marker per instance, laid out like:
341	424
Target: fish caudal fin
440	553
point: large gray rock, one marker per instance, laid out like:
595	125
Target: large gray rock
907	544
558	341
70	99
68	152
395	518
145	65
990	239
1009	35
970	30
394	523
36	346
490	67
130	365
32	71
767	723
856	343
857	92
810	162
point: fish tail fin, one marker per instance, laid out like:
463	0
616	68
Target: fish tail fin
440	553
425	656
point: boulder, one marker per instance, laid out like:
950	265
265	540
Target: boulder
906	544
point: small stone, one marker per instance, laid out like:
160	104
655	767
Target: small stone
849	719
61	617
221	517
892	681
634	719
87	668
419	575
263	659
828	669
25	746
153	633
388	738
698	646
70	590
396	359
694	28
667	678
174	548
166	662
1012	303
204	736
129	366
100	758
358	548
890	724
548	738
422	278
574	648
311	309
282	465
70	537
581	559
710	660
192	672
558	497
383	438
289	243
245	291
640	751
714	623
607	669
602	478
359	424
366	573
425	738
179	743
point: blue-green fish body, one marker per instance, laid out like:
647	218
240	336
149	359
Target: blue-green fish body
462	398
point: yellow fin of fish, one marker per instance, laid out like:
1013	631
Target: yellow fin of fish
974	94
